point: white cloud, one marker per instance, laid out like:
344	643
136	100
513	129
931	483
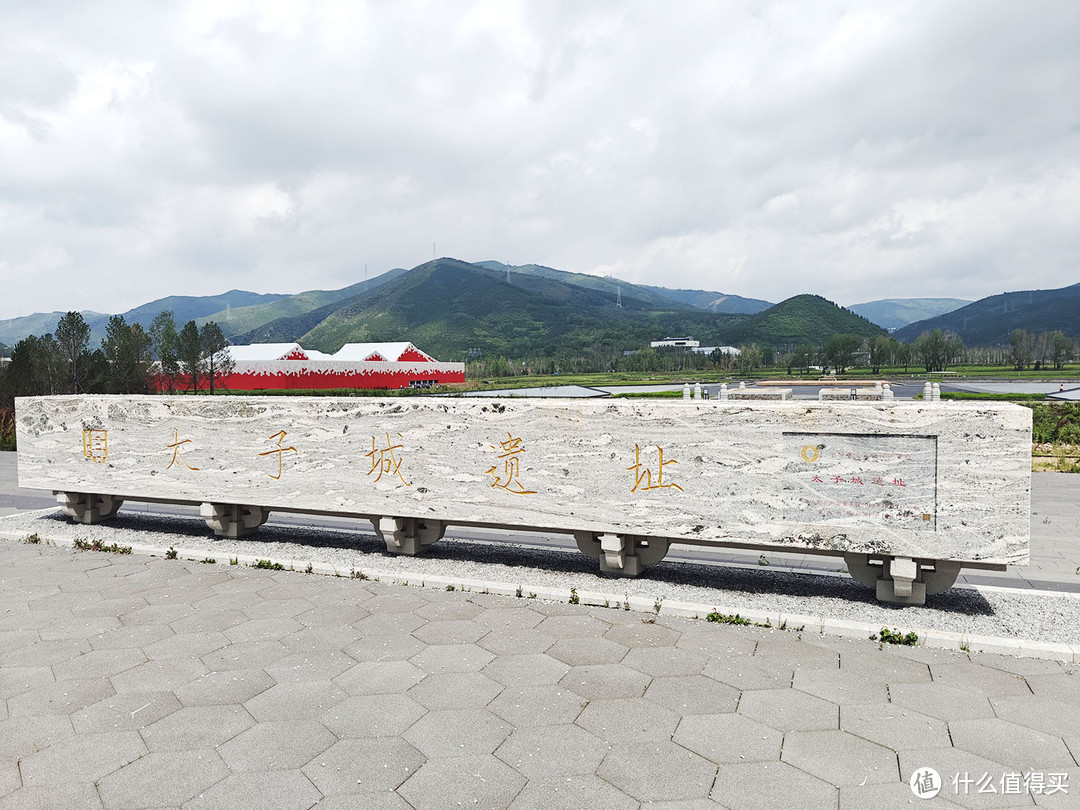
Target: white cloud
857	151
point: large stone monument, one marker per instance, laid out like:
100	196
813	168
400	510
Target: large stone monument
907	493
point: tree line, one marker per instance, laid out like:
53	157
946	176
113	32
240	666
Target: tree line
130	360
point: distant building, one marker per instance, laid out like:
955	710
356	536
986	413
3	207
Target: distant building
678	343
729	350
275	366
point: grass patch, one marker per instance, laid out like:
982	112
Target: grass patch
720	618
97	545
894	636
270	566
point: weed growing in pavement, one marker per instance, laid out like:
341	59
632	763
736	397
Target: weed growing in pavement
532	595
574	598
97	545
208	561
170	554
720	618
626	602
356	573
450	587
272	566
32	539
518	592
888	636
309	568
234	560
656	604
762	561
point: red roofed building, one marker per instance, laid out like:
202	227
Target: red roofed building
271	366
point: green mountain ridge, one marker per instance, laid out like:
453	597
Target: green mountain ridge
803	318
989	321
896	313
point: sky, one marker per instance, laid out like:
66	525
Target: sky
850	149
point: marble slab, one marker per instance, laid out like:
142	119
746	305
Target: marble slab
944	481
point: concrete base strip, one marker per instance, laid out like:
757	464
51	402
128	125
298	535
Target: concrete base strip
1068	653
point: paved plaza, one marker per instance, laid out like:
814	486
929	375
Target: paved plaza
142	682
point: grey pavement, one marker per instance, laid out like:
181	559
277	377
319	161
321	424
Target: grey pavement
141	682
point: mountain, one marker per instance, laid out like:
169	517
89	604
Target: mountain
449	307
713	301
894	313
241	320
661	296
989	321
802	319
13	330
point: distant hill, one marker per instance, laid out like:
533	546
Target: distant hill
989	321
660	296
448	307
241	320
895	313
802	319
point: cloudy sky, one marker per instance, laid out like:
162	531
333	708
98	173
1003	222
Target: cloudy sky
856	150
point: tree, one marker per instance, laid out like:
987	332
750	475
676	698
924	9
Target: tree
882	350
165	349
840	351
1022	348
218	363
1062	349
189	354
749	358
936	350
37	368
72	336
127	349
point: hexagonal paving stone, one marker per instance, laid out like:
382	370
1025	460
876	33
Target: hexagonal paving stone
955	762
1057	686
986	680
98	664
353	766
516	642
450	611
795	654
693	694
1017	747
295	701
245	655
1041	714
455	690
64	697
750	672
658	770
187	645
628	720
484	779
606	682
284	790
579	790
724	738
839	758
451	632
383	647
542	705
321	639
45	653
642	634
379	623
128	712
85	758
551	751
457	732
159	780
881	666
665	661
452	658
843	686
572	626
403	601
587	651
380	677
159	676
277	745
893	725
277	608
196	727
223	688
255	630
130	637
22	736
789	710
323	665
941	701
73	796
372	716
510	618
526	670
768	786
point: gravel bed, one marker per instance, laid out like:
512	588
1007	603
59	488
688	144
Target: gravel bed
1019	615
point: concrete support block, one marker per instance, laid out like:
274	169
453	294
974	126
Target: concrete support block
686	391
408	536
88	508
233	520
622	555
902	580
